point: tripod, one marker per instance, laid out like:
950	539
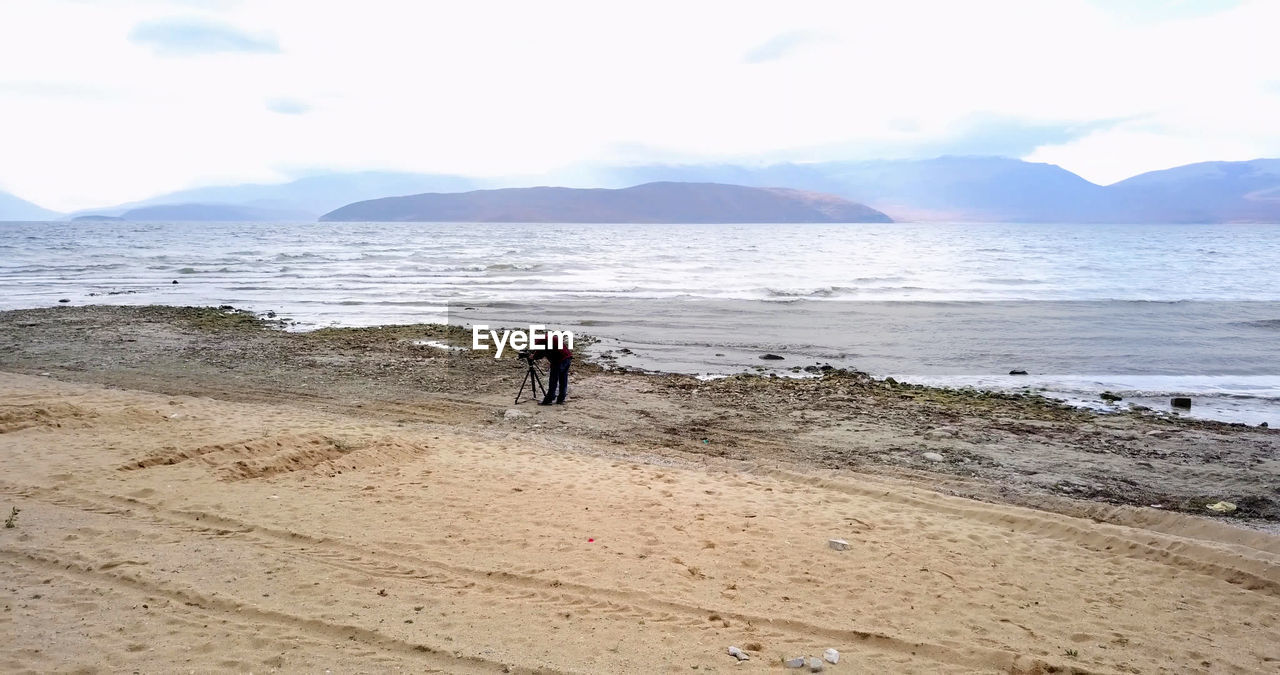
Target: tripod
533	378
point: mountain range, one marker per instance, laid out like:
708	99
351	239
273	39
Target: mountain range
12	208
960	189
658	202
996	189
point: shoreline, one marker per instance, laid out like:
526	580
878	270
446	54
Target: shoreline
1221	353
978	432
1228	396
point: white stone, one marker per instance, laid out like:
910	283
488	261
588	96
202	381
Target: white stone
815	665
738	654
933	457
797	662
838	544
831	655
941	433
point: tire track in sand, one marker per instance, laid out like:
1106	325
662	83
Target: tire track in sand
238	612
583	598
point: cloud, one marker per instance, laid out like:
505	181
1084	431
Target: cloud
287	106
822	80
991	134
1157	11
55	90
974	134
783	44
193	36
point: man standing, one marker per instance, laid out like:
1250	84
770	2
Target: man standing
558	357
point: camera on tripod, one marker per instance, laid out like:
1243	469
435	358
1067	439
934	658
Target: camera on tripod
532	376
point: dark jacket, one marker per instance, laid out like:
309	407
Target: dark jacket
554	353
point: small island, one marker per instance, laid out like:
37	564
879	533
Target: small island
664	202
214	213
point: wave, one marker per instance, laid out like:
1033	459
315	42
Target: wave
388	303
1271	324
827	292
60	269
1012	281
497	268
220	270
879	284
882	279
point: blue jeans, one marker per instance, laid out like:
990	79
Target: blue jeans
557	381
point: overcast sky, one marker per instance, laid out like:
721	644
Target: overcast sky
108	101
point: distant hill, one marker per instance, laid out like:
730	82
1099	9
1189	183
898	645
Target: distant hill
95	217
12	208
308	196
662	202
970	189
212	212
1205	192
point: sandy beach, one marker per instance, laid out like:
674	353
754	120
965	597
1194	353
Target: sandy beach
199	491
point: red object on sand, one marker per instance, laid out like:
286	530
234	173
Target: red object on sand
590	541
